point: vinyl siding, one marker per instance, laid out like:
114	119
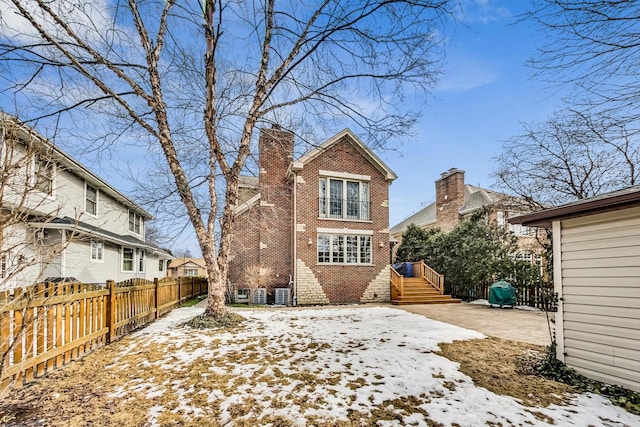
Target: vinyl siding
600	262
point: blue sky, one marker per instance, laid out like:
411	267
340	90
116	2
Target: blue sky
485	93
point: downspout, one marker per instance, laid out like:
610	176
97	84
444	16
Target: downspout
295	239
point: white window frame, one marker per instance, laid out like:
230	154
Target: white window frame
99	250
86	199
189	270
519	230
325	203
137	220
4	264
35	167
242	295
335	249
141	260
133	260
160	264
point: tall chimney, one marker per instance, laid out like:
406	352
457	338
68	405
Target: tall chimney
276	154
449	198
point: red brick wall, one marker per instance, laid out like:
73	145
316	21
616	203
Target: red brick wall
342	283
245	250
449	198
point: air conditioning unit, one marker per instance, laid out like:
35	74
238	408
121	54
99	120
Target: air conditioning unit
260	296
282	296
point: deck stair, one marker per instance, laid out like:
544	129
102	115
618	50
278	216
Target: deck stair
426	288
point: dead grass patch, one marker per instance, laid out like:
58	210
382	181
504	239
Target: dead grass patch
492	363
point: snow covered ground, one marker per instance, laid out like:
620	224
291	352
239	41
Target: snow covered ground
302	367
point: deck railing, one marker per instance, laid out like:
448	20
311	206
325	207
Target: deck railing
396	284
420	270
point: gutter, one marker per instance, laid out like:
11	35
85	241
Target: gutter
75	228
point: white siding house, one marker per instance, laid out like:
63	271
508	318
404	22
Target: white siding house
596	251
71	222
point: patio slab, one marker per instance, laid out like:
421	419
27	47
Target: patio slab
512	324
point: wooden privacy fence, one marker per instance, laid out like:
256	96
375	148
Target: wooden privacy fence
45	326
532	295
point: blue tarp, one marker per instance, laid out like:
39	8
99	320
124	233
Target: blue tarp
404	268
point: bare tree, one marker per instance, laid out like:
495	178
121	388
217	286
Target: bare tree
194	79
256	277
594	47
571	156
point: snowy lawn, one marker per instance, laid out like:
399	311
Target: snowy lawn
338	366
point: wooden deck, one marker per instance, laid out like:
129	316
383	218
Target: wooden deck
426	288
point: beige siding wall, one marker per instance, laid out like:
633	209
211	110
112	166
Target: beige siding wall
600	262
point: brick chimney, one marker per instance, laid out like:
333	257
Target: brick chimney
449	198
275	156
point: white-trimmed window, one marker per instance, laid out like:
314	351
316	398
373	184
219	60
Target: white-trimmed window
97	251
344	249
190	271
3	266
517	229
161	265
44	172
344	199
91	200
127	259
135	222
141	260
242	295
522	256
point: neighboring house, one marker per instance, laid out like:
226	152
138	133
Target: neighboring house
456	201
596	267
317	227
187	267
72	222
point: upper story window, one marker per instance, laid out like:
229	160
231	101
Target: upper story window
97	251
161	265
91	200
44	171
3	266
517	229
344	199
135	223
190	271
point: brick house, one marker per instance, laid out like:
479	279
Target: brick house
317	227
456	201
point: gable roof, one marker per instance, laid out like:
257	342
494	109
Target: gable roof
421	218
615	200
179	262
356	142
474	198
70	164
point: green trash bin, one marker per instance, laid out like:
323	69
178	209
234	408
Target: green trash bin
502	293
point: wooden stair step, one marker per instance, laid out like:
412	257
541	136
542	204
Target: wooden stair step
438	301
